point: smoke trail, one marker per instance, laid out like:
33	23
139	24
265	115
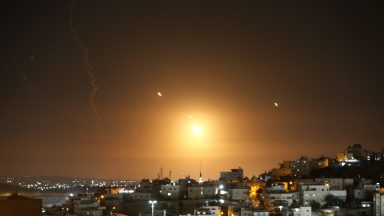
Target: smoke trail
87	62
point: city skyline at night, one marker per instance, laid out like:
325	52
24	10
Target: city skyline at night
118	89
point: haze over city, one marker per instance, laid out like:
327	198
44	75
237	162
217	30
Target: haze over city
118	89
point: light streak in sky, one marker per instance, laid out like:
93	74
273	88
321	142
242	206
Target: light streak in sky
87	62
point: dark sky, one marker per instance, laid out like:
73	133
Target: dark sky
218	64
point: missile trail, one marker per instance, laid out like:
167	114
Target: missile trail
88	64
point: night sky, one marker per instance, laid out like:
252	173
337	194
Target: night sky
220	67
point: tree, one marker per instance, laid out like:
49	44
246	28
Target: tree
315	205
331	200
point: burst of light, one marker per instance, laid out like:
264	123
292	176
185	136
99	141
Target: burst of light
159	94
276	104
196	129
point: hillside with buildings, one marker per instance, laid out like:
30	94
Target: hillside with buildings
348	184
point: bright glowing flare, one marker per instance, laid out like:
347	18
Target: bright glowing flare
159	94
196	129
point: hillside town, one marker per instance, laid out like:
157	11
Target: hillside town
351	183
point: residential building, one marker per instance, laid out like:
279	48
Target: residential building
171	191
357	151
208	211
317	192
202	191
300	167
312	191
274	199
235	175
336	183
254	212
85	204
298	211
319	163
283	170
353	155
278	187
239	193
378	204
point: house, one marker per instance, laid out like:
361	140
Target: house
208	211
378	204
254	212
171	191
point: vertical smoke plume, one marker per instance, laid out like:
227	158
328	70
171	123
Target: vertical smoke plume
87	62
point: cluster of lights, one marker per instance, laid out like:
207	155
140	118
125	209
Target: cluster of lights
42	185
47	184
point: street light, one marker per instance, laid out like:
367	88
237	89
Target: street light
153	202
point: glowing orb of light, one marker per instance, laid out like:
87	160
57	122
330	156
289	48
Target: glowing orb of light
159	94
276	104
196	130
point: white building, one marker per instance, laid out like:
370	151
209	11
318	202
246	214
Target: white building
208	211
254	212
280	198
317	192
300	211
336	183
341	194
378	204
278	187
